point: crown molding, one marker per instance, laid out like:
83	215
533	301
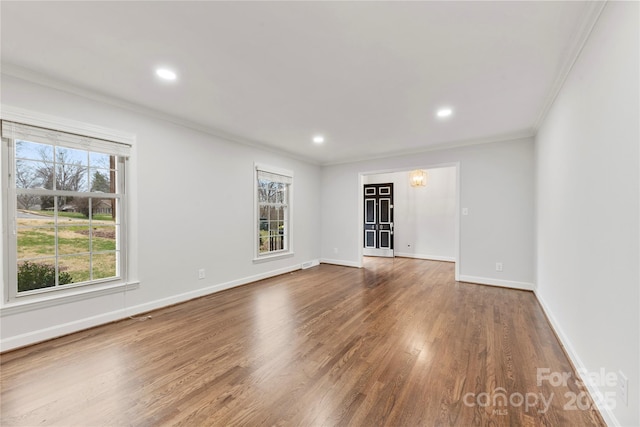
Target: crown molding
63	86
591	16
509	137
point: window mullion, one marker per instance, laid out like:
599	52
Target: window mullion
56	229
45	192
54	173
11	211
90	201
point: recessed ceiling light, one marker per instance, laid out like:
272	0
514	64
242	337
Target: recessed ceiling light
166	74
318	139
444	112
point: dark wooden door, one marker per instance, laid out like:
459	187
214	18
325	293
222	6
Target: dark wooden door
378	219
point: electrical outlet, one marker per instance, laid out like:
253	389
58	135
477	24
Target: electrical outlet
498	266
201	274
335	250
623	386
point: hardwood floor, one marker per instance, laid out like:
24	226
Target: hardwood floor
398	343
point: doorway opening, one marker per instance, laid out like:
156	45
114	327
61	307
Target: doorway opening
411	221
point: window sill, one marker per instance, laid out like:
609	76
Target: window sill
16	307
272	257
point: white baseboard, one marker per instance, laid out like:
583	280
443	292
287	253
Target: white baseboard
101	319
429	257
497	282
175	299
341	262
592	388
55	331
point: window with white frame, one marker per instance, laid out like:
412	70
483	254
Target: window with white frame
273	213
65	209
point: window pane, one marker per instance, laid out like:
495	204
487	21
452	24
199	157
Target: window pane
103	238
102	209
72	156
264	242
71	177
72	219
34	174
72	211
104	266
34	151
36	242
71	169
100	160
47	205
273	227
102	180
114	218
36	274
263	190
29	202
73	269
264	213
73	240
276	244
272	192
273	213
30	211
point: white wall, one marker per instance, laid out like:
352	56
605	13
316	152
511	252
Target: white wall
496	185
194	208
588	209
424	217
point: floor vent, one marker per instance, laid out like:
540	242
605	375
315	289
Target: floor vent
309	264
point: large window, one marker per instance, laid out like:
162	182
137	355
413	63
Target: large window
65	209
274	189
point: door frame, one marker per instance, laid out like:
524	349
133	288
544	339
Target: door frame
360	222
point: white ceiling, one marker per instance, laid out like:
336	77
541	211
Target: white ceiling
369	76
